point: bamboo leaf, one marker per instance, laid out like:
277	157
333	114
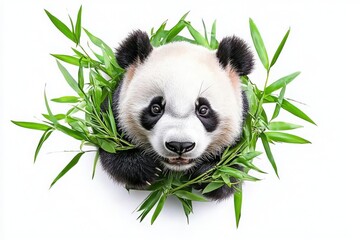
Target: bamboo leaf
212	186
68	59
70	80
187	207
190	196
66	99
32	125
81	78
237	174
61	26
78	26
279	103
237	206
96	159
70	165
205	32
148	204
43	138
259	44
158	208
269	155
285	137
281	126
280	48
281	83
296	111
174	31
214	44
196	35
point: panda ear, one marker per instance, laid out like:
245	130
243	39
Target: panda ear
135	48
235	52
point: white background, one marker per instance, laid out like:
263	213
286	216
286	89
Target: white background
317	196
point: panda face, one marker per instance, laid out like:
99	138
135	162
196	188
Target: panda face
181	105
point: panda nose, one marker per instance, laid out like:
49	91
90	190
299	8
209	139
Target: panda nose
180	147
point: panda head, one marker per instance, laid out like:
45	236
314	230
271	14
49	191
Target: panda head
181	102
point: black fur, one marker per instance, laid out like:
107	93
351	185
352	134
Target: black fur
234	51
136	47
147	118
210	121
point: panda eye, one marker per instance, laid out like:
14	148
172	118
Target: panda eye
156	109
203	110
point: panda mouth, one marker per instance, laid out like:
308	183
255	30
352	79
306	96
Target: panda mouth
178	161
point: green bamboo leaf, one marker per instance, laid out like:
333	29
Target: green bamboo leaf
66	99
159	35
214	44
281	126
174	31
148	204
112	118
58	117
72	133
61	26
187	207
285	137
70	165
196	35
269	155
43	138
237	174
70	80
107	145
190	196
32	125
286	105
96	159
205	32
68	59
281	83
158	208
212	186
250	155
279	103
78	26
226	179
104	47
179	38
259	44
81	78
279	49
237	206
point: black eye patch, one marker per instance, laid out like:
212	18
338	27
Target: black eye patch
149	117
210	120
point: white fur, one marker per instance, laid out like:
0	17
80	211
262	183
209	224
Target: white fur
181	72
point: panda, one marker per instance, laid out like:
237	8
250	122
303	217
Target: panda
181	105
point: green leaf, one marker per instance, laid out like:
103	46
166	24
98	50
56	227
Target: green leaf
96	159
190	196
66	99
32	125
43	138
78	25
81	78
187	207
61	26
285	137
174	31
148	204
57	116
279	49
250	155
212	186
68	59
70	132
279	103
158	208
107	145
259	44
214	44
237	206
237	174
281	126
70	80
269	155
70	165
281	83
286	105
226	179
196	35
205	32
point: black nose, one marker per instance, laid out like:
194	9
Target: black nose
180	147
